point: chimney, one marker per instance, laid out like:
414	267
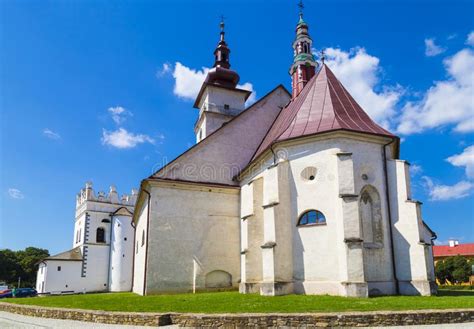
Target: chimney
453	243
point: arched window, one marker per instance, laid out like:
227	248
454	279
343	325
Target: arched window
312	217
105	220
100	235
367	217
370	213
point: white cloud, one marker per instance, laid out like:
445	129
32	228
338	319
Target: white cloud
15	193
447	192
470	39
415	169
165	69
119	114
447	102
253	96
188	82
432	49
360	72
452	36
51	134
123	139
465	159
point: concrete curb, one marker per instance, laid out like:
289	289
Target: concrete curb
257	320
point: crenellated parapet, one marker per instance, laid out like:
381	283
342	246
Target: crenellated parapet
87	194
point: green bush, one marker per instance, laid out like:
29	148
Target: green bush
455	269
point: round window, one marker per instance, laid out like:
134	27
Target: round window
309	174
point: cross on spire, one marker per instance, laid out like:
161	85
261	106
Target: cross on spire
301	7
322	56
221	24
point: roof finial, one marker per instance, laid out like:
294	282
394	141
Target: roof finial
222	25
322	56
301	7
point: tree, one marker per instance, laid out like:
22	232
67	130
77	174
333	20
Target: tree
10	268
455	269
28	260
21	263
442	272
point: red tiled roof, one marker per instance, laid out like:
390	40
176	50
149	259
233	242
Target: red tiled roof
465	249
323	105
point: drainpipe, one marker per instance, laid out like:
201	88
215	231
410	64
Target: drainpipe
274	154
387	195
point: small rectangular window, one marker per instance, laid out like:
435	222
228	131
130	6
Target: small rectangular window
59	268
226	106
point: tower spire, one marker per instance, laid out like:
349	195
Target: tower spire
222	25
304	64
222	51
219	99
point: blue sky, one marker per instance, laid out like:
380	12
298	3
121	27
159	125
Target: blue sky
103	91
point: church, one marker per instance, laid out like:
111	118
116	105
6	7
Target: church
299	193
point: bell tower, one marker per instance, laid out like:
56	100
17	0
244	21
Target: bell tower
304	64
219	99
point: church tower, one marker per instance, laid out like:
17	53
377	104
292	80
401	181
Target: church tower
219	99
304	64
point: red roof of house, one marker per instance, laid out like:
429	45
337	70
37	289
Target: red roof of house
323	105
465	249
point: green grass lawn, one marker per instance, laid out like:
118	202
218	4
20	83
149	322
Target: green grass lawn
233	302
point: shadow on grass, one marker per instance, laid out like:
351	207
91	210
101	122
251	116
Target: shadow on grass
445	292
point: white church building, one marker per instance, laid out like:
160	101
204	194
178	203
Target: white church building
300	192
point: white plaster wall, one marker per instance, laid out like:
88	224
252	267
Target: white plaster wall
426	234
79	231
246	204
68	279
318	250
212	115
315	247
211	122
221	96
121	258
95	221
413	267
40	277
97	268
140	248
252	235
193	231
